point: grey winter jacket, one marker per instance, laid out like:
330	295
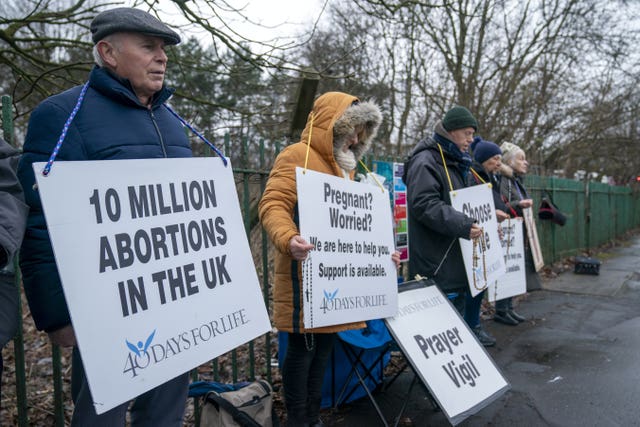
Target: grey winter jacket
13	210
434	225
512	189
13	218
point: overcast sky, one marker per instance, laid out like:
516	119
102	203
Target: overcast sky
288	15
265	19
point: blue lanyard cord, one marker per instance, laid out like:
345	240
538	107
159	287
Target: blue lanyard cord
198	134
518	189
65	129
67	124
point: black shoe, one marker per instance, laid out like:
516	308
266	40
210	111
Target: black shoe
517	316
484	337
297	417
504	317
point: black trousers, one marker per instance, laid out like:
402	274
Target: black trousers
162	406
1	369
302	375
9	319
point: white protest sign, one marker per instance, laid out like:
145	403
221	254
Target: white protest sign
350	275
532	234
514	281
477	202
444	353
155	266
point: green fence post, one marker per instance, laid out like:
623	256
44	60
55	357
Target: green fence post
58	403
7	120
19	358
587	214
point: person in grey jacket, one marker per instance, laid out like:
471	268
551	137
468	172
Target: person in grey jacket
516	197
437	165
13	218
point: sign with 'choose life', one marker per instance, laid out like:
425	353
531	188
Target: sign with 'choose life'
153	260
349	276
477	202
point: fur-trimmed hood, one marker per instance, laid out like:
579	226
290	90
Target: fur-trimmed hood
507	171
335	115
360	114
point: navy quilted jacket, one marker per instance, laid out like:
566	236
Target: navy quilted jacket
110	124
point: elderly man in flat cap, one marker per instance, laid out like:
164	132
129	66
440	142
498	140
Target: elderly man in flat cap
119	115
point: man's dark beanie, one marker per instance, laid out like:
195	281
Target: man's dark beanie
459	118
483	150
128	19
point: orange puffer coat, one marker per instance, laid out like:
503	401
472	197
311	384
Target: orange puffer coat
278	207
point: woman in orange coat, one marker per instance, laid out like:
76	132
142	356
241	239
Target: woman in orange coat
343	129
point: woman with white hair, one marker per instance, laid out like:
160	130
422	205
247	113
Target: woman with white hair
514	167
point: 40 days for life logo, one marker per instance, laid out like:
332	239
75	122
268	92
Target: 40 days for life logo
331	302
138	357
142	355
145	353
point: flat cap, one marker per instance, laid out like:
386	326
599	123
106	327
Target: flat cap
128	19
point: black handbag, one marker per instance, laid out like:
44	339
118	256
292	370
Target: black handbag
548	211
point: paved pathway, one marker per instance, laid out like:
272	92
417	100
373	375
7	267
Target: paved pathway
574	363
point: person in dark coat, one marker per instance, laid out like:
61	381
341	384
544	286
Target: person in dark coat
486	163
121	116
13	218
437	165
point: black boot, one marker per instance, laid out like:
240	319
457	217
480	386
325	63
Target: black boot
297	417
516	316
484	337
313	413
504	317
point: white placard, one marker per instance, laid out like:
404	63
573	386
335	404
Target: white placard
350	275
514	281
532	235
155	266
477	202
445	354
